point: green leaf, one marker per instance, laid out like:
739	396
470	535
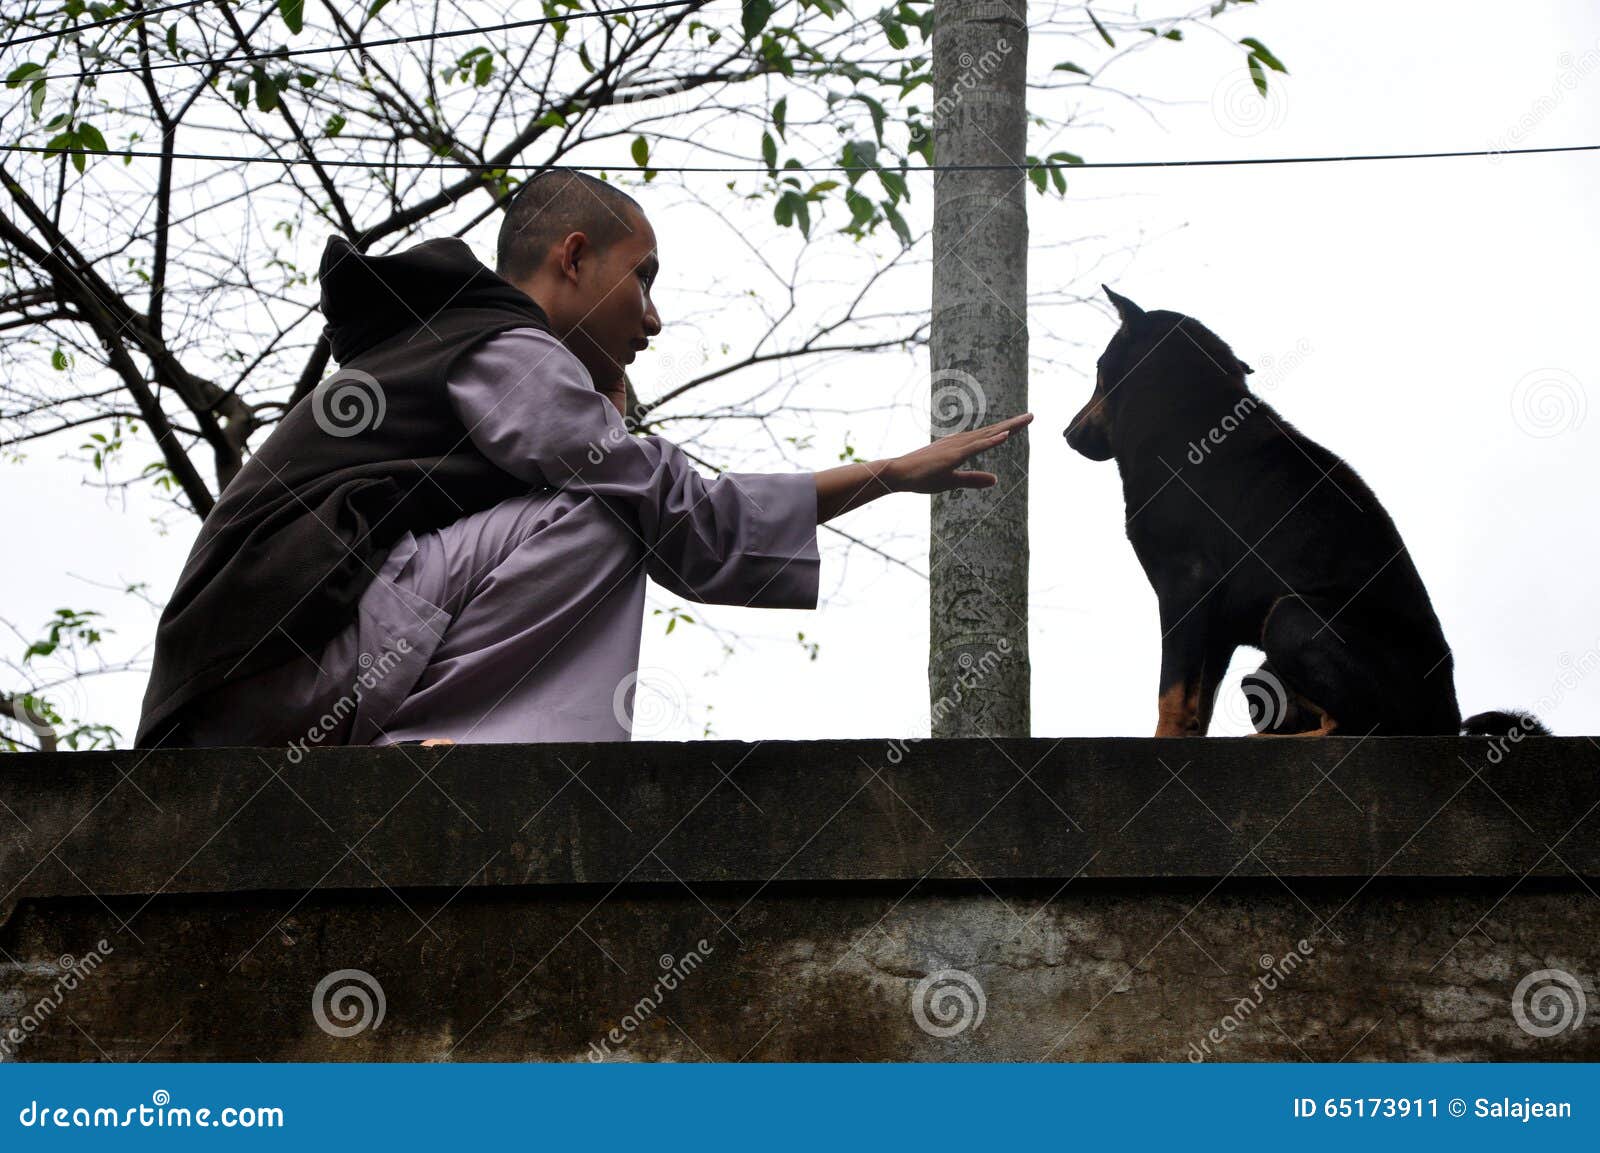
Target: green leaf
780	115
861	209
640	151
1100	28
334	126
36	98
893	29
59	360
20	74
754	16
89	137
897	223
377	6
783	210
266	92
1256	74
1070	67
1259	49
293	13
1038	173
879	115
769	151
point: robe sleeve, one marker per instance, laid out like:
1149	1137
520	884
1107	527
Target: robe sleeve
531	408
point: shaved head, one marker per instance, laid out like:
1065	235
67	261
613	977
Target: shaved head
552	206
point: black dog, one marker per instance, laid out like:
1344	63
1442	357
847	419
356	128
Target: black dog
1251	533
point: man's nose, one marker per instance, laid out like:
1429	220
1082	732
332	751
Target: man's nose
652	320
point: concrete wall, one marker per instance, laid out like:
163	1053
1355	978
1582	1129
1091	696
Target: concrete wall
962	900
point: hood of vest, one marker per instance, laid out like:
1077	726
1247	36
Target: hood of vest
367	299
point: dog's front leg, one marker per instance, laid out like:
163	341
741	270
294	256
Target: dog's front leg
1182	711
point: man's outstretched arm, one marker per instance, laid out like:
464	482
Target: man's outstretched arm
936	467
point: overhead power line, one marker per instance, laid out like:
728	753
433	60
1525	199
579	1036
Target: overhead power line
120	19
271	55
448	162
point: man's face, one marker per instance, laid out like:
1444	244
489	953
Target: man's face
611	315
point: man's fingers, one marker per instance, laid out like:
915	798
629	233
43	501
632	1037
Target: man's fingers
1006	425
967	478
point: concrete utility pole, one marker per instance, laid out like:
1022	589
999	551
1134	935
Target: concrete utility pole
978	668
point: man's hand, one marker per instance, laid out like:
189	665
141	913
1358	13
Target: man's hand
937	467
933	468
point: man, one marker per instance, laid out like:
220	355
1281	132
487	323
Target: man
449	538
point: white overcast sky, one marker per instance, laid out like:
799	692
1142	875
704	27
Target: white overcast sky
1443	315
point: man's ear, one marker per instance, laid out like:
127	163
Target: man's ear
1126	308
573	249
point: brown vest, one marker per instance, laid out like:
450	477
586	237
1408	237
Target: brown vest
376	450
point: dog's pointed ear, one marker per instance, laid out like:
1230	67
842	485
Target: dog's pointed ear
1126	308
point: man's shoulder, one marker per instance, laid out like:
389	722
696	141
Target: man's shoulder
519	353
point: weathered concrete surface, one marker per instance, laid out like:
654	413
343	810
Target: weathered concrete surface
509	909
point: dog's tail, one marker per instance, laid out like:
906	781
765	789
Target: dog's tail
1502	723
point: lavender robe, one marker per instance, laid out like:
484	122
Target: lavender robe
522	622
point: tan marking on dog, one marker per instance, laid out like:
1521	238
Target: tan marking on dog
1178	711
